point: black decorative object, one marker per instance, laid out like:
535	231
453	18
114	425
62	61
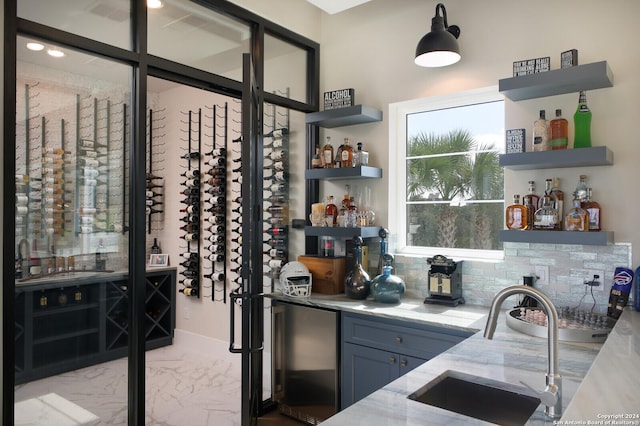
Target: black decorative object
439	47
339	99
569	58
357	284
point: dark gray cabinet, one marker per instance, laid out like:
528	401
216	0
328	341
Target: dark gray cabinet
62	325
376	351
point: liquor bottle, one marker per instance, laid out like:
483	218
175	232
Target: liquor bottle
530	201
557	198
577	219
546	217
331	212
582	123
327	152
316	160
559	130
189	291
360	157
346	155
516	214
191	155
541	133
581	189
190	174
337	160
155	248
593	209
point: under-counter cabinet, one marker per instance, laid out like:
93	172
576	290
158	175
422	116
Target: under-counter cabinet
62	325
376	351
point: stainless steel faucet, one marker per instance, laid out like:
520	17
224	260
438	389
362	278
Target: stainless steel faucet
551	397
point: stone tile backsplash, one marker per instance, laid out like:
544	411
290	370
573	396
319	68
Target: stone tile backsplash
566	267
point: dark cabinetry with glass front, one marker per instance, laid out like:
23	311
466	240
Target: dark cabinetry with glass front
65	325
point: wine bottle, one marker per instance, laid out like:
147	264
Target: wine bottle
191	200
189	255
189	291
215	248
150	210
189	282
191	155
216	181
214	162
191	182
217	152
155	248
151	203
277	133
151	194
190	227
151	176
190	174
215	257
190	264
218	199
216	238
188	273
277	199
191	219
190	191
277	231
219	171
216	276
190	209
217	208
275	253
215	190
190	236
216	219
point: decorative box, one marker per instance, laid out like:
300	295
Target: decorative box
515	140
327	272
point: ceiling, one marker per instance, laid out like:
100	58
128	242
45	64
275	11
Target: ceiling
336	6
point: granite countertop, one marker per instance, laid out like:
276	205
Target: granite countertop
511	357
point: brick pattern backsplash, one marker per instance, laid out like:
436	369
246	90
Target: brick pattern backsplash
567	268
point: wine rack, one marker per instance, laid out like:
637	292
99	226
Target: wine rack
66	185
154	180
276	192
192	212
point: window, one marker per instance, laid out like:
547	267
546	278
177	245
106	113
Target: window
448	191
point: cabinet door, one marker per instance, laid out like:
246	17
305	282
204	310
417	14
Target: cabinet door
365	370
408	363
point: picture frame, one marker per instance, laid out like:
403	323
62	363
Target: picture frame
158	260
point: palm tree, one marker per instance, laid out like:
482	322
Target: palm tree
451	177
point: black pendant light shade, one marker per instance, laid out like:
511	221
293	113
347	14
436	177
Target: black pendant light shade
439	47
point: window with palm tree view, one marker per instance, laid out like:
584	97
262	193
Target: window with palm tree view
454	185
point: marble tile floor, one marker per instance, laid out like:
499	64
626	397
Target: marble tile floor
194	382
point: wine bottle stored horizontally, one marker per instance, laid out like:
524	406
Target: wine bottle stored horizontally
189	291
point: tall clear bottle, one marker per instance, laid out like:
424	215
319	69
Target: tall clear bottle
541	133
593	208
530	201
582	190
582	123
557	198
559	129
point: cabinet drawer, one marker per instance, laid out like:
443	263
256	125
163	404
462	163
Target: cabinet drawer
402	337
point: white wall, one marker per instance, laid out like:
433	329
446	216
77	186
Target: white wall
371	49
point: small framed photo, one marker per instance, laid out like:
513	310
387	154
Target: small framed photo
157	260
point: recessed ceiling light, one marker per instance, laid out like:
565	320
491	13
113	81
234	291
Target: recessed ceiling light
35	46
55	53
154	4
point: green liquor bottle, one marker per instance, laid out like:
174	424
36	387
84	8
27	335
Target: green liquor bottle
582	123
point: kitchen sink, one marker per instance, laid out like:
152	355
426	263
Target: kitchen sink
478	397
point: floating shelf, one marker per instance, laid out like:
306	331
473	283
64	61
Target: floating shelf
341	232
601	238
577	157
360	172
357	114
557	82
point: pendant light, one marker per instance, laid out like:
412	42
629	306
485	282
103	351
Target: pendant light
439	47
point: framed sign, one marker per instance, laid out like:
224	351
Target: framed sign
339	99
157	260
531	66
516	140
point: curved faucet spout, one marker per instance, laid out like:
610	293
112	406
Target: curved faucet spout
552	395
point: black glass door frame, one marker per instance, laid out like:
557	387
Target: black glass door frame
142	65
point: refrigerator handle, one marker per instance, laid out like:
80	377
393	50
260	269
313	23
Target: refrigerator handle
277	345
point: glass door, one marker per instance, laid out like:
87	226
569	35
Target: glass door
71	235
